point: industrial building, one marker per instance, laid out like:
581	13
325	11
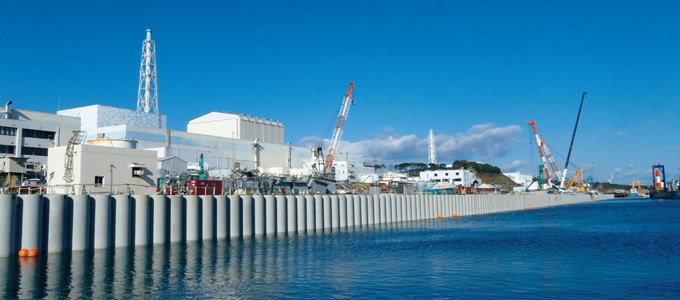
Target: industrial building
460	177
28	134
102	169
522	179
238	126
228	142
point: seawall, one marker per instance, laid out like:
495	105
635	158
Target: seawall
58	223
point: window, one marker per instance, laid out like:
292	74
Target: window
98	180
34	151
38	134
456	173
7	149
435	174
8	131
447	174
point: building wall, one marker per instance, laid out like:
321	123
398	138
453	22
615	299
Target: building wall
189	147
173	165
29	134
519	178
96	116
457	177
90	161
238	126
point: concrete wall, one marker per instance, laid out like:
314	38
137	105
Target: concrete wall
58	223
90	161
238	126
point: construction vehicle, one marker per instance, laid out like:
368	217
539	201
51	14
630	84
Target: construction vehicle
339	127
570	184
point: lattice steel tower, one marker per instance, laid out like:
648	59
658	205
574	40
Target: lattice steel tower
432	153
147	97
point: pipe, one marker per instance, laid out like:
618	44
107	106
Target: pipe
7	111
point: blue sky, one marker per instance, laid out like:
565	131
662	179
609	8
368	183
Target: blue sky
474	71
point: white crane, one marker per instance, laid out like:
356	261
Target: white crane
339	127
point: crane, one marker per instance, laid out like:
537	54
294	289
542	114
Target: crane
573	180
553	164
339	127
543	148
572	140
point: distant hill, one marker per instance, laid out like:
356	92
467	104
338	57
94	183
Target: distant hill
499	179
610	188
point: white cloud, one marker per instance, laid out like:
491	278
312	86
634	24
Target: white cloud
636	172
611	177
620	134
485	140
514	165
631	166
673	149
387	129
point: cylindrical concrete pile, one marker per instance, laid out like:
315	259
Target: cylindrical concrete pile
57	223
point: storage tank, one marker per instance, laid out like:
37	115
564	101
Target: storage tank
116	143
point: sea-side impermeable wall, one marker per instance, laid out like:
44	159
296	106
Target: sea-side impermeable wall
57	223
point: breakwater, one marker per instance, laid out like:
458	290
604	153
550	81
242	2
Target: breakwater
58	223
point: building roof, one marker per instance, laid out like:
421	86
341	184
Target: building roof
221	116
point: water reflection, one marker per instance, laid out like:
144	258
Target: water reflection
526	254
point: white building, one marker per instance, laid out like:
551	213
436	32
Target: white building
352	169
238	126
28	134
219	150
100	169
522	179
173	165
460	177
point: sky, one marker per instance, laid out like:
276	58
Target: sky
475	72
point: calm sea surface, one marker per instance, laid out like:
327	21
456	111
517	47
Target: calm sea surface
607	249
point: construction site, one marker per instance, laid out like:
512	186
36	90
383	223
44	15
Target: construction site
99	149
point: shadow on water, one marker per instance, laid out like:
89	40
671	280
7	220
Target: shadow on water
572	251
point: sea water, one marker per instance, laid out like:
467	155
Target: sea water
606	249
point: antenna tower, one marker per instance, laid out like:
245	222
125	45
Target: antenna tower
147	97
432	152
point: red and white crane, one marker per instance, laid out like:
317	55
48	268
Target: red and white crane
545	153
539	142
339	127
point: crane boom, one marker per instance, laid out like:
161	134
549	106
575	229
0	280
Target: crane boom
572	140
339	127
573	180
553	164
539	142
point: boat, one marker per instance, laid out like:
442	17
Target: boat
635	189
659	189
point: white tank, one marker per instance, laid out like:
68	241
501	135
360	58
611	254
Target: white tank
116	143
